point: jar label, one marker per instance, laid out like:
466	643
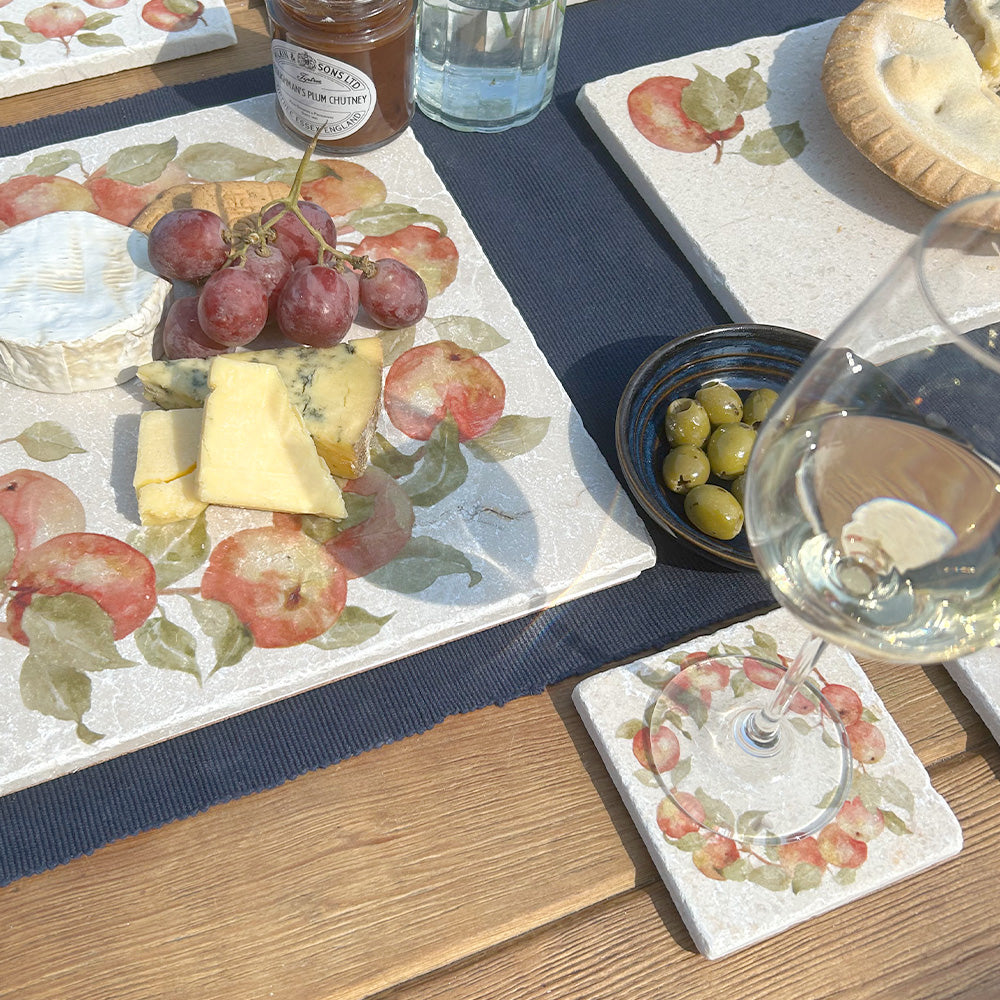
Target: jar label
316	92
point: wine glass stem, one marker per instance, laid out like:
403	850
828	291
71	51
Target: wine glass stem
761	728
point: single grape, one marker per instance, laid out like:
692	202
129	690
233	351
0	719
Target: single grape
728	449
292	238
685	467
232	307
757	406
187	244
183	336
722	403
315	306
353	280
714	511
396	296
738	487
271	268
686	422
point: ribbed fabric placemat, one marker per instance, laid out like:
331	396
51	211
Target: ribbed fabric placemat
600	285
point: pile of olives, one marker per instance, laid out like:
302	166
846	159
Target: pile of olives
710	437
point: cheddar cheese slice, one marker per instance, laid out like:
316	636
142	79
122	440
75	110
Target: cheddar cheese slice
337	391
164	480
255	449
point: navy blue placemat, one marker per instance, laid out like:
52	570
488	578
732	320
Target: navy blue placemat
600	285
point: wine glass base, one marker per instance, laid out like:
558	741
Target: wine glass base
720	781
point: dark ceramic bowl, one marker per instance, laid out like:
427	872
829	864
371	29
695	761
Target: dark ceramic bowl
746	356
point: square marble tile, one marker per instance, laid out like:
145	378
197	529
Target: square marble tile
978	676
44	45
785	221
759	894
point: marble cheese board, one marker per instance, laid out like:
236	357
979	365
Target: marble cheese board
47	44
785	221
468	533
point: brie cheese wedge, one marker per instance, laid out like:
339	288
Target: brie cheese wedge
80	304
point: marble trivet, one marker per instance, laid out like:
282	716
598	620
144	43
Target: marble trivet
47	44
978	676
784	220
729	898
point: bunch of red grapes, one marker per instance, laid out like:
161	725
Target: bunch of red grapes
280	265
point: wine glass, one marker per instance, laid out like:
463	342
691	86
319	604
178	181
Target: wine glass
872	507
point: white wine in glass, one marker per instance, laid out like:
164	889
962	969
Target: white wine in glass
873	510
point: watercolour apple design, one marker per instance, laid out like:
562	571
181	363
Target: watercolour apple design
29	196
172	15
347	187
55	20
37	507
691	115
689	819
430	253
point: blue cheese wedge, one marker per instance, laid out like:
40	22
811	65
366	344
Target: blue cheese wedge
337	390
80	304
255	450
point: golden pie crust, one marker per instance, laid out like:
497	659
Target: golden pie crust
909	92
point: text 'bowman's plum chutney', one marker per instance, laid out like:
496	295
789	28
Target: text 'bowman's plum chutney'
343	68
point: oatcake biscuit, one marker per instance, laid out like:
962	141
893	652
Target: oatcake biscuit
230	200
175	197
907	90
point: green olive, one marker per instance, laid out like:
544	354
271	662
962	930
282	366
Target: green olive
685	467
686	422
757	405
738	488
722	403
714	511
728	449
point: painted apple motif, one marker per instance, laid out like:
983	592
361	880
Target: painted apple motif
172	15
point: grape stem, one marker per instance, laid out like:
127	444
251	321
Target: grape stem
261	233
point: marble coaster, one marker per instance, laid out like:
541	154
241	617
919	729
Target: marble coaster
730	899
978	676
783	219
45	45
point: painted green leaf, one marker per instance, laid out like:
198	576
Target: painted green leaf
22	33
72	631
751	821
764	644
800	725
354	626
141	164
391	460
167	646
689	842
895	823
806	877
381	220
717	813
48	441
869	716
218	161
774	145
443	469
681	770
769	877
740	684
646	778
12	51
510	436
175	550
845	876
896	792
738	871
748	86
868	788
55	162
655	679
284	171
422	561
470	332
628	729
54	689
322	529
690	701
99	19
396	342
231	639
8	548
709	101
93	41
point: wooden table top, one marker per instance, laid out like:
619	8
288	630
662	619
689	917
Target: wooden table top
457	864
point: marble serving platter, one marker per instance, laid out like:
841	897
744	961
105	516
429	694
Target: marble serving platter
523	517
729	897
785	221
47	44
978	675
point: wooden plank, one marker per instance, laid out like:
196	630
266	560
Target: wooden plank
936	935
252	49
361	876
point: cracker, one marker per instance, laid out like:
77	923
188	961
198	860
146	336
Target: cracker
235	200
173	198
